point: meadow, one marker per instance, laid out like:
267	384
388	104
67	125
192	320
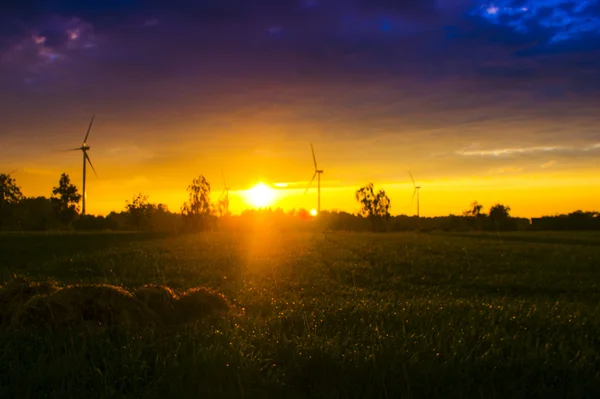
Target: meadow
342	315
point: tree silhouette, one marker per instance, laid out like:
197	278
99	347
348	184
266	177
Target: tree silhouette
475	213
475	209
198	207
139	210
500	216
66	200
499	212
10	194
36	213
373	206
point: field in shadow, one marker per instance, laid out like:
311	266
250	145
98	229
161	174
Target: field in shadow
353	316
564	238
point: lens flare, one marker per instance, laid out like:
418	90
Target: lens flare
260	196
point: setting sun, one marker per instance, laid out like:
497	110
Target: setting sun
313	212
260	196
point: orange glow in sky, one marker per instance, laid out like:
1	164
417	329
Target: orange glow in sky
533	179
528	194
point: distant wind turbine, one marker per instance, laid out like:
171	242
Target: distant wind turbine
416	192
318	173
86	159
224	197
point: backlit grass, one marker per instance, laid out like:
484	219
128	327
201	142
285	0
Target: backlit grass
342	316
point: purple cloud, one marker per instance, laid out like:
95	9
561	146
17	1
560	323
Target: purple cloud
53	40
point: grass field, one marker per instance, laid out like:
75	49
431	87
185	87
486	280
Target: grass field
343	316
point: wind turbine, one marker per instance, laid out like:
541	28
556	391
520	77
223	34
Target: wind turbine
224	197
318	173
416	192
86	159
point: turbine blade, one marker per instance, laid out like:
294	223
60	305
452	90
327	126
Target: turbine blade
413	196
90	162
89	128
412	178
71	149
309	184
313	153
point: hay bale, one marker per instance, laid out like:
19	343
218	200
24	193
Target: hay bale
159	298
200	302
101	305
14	294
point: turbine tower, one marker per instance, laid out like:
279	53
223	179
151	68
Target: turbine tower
86	159
317	174
224	197
417	193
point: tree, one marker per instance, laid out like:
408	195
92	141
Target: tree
36	213
373	206
10	194
475	216
475	209
499	212
198	208
140	211
66	200
500	216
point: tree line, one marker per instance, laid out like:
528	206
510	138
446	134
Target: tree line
61	212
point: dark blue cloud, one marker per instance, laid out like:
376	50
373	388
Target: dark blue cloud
564	20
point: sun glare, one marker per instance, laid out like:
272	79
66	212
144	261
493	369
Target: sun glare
313	212
260	196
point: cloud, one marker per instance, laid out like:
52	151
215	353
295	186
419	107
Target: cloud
565	19
506	170
49	42
499	152
508	151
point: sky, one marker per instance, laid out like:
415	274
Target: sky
494	101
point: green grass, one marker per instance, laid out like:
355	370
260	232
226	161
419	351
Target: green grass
347	316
